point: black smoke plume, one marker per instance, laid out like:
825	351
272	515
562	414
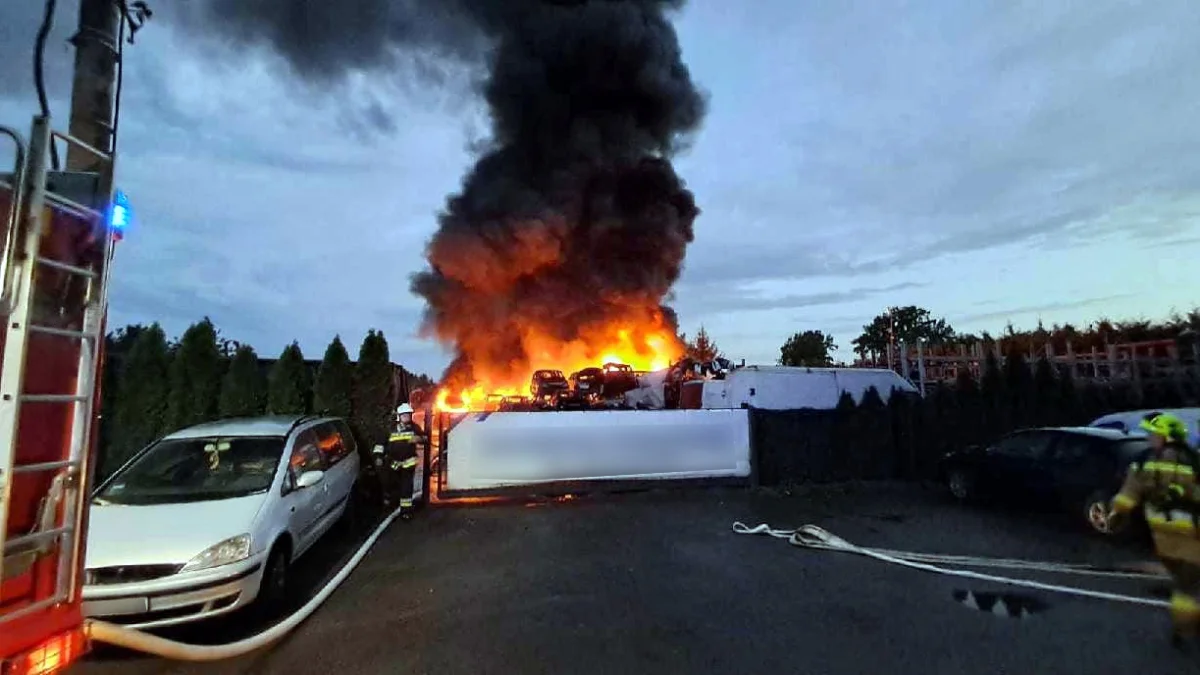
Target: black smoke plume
573	220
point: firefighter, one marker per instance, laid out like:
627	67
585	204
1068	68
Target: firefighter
1164	483
398	462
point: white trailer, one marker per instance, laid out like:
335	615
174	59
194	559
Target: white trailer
791	388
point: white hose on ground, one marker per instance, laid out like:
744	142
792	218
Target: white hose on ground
141	641
811	536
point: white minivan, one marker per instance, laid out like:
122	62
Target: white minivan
209	519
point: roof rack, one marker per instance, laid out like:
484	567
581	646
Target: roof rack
301	420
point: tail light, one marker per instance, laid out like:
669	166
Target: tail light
52	656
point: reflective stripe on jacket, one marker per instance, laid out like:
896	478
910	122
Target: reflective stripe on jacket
1170	496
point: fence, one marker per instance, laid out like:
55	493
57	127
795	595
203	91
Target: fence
905	438
1138	364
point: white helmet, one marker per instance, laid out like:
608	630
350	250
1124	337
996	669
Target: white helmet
404	408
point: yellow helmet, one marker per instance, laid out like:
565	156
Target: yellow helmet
1166	425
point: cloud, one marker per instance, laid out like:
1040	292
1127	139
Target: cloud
720	297
1045	308
945	130
19	22
260	209
855	155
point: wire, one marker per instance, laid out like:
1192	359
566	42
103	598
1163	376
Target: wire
116	118
133	15
39	79
811	536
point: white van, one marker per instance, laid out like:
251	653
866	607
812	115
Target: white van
794	388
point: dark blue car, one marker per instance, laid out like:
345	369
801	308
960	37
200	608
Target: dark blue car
1079	469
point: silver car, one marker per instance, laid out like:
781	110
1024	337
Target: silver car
210	518
1130	420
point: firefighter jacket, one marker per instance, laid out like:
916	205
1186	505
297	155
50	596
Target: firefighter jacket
1165	485
402	446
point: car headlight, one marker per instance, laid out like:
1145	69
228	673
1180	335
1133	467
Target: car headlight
229	551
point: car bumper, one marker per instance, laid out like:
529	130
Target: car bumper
177	599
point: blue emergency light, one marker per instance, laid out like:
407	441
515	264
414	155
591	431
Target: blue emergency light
119	214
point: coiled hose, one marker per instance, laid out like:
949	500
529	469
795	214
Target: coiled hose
813	537
141	641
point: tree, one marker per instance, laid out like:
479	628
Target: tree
288	385
335	381
140	413
1069	399
116	352
244	389
1019	392
965	385
904	324
1046	398
1018	379
871	400
991	383
846	402
811	348
372	400
701	348
196	374
120	341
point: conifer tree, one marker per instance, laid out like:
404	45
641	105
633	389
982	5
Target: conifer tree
244	389
196	373
372	393
335	382
140	413
288	385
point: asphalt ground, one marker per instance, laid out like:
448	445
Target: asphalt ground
658	582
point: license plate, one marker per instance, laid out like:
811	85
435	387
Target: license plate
116	606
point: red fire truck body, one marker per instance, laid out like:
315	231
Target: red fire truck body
58	243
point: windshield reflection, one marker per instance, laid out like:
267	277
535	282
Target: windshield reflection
196	469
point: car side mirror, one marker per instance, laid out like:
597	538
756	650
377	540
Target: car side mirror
309	479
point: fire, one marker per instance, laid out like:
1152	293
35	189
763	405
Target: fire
642	348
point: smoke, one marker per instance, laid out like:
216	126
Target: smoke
573	219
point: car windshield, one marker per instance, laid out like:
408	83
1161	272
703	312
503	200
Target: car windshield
196	469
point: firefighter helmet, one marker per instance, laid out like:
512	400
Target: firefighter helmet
1166	425
404	408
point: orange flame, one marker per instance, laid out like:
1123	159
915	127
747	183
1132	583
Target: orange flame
644	348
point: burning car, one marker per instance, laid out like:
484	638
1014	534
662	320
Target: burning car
618	379
546	386
588	383
515	404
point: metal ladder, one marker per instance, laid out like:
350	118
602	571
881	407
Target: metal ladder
22	258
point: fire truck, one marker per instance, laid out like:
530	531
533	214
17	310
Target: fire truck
60	229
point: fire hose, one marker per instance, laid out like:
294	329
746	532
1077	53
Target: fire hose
141	641
816	538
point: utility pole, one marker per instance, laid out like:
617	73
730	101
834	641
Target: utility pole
93	90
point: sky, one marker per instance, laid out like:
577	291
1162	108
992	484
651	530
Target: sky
990	161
